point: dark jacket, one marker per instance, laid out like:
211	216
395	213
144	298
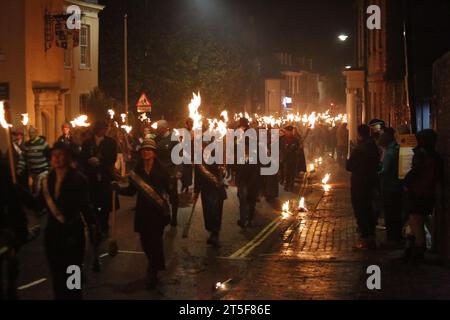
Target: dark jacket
425	175
149	216
202	184
289	150
68	141
100	177
73	203
364	163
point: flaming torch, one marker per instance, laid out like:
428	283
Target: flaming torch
25	119
193	110
81	121
7	128
111	113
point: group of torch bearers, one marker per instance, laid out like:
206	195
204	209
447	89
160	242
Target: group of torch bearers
78	180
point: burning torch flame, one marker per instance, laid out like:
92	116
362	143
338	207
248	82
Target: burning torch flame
124	117
81	121
25	119
3	121
312	168
127	128
155	125
193	110
224	115
111	113
143	117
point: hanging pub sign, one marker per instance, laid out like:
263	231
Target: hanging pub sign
61	35
144	104
56	31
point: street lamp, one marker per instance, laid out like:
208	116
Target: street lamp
343	37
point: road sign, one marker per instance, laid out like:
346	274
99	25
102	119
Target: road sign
144	104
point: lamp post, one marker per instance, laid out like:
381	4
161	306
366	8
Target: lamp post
125	62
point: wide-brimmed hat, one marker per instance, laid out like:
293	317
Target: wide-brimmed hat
148	144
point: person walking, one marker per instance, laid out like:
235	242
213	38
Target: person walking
34	160
364	166
150	181
289	150
209	183
65	196
98	156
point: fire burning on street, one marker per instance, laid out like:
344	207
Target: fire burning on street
285	210
301	205
325	180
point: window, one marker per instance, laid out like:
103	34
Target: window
84	103
85	47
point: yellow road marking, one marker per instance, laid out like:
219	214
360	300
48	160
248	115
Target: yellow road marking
32	284
268	233
257	238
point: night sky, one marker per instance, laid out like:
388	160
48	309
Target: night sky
303	27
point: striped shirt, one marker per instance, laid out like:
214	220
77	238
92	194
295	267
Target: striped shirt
35	156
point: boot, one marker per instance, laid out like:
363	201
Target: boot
213	240
152	279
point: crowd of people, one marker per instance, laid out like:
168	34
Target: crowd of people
377	190
78	181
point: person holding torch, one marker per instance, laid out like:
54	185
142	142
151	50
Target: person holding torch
150	181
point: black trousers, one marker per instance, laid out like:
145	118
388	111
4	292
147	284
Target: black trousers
247	195
173	196
362	195
153	246
392	203
212	202
63	251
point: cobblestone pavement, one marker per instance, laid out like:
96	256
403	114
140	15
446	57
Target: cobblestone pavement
315	258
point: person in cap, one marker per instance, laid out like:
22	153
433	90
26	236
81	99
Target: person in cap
165	146
98	156
150	181
289	146
34	161
65	196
